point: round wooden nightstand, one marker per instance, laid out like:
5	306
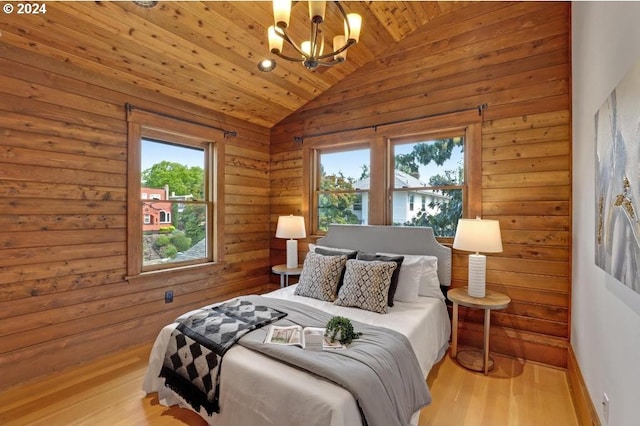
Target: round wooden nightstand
285	273
472	359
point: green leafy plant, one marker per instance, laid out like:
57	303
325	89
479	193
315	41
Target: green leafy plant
161	241
341	329
181	241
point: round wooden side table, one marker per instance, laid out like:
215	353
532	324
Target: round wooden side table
285	273
473	359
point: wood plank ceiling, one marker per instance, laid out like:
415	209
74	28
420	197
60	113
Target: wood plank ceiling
206	53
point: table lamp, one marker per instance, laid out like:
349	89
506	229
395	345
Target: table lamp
478	235
291	227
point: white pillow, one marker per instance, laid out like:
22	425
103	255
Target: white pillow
419	278
429	282
409	279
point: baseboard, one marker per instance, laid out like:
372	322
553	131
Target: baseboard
585	411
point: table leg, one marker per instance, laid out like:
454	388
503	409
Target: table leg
281	280
487	331
454	331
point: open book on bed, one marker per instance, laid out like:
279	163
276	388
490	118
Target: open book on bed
310	338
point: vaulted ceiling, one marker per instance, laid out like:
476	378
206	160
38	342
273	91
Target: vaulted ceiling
206	53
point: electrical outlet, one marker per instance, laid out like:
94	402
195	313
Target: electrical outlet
168	296
605	408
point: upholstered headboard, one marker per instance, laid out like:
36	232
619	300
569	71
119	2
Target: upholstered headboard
391	239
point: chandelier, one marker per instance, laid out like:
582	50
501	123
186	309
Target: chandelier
311	52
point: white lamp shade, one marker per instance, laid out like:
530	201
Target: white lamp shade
355	24
291	227
317	9
338	42
275	41
478	235
282	12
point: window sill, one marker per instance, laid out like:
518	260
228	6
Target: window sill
180	274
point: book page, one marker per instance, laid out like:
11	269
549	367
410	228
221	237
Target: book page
313	338
279	335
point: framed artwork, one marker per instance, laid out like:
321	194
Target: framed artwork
617	189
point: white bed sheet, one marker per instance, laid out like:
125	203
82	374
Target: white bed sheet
256	390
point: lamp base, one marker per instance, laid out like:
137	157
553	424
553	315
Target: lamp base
292	254
477	275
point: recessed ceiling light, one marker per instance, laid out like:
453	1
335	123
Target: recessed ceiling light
144	3
266	65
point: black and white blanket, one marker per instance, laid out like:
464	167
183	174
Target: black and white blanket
194	354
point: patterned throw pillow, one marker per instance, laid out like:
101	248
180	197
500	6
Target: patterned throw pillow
320	276
327	251
366	285
396	274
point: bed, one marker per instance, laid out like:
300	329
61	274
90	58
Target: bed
258	390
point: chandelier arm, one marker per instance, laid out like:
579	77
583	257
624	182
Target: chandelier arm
313	39
288	58
346	20
330	63
282	32
336	52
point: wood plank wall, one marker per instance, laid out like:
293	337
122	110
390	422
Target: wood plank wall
515	57
63	156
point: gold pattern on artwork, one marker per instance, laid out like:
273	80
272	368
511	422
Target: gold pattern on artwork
623	200
600	218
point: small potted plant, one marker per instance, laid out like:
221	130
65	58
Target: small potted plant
340	329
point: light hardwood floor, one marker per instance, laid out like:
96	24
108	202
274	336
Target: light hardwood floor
107	392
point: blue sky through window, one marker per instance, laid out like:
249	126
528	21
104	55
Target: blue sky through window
350	162
154	152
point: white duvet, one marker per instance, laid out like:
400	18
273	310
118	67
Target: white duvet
256	390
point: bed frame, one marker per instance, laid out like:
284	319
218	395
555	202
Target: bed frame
391	239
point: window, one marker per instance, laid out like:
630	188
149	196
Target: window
431	166
340	190
165	217
179	170
379	179
173	194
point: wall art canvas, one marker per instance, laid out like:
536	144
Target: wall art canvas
618	181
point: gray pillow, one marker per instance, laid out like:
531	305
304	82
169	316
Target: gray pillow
320	276
366	285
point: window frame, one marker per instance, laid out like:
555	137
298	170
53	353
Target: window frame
145	125
379	138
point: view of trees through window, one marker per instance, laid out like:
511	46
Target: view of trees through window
432	172
342	189
174	204
427	189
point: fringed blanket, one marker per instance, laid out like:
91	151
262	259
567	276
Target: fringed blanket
194	354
